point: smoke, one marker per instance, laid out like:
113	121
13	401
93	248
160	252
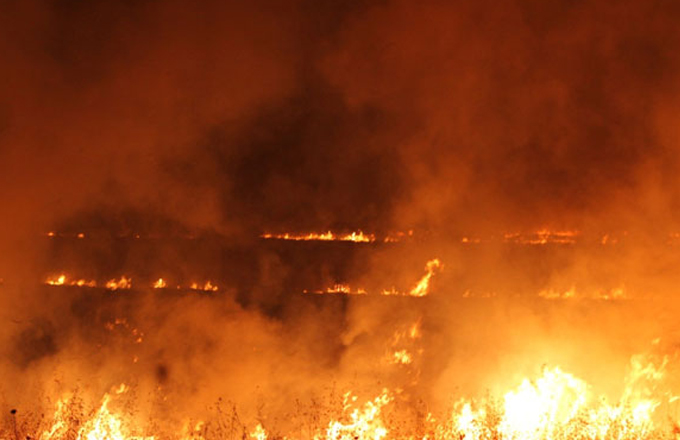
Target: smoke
222	120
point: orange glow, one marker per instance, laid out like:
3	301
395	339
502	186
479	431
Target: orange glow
160	284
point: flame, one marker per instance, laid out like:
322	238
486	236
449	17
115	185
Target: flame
559	405
423	286
122	283
102	425
62	280
258	433
541	237
361	423
555	406
160	284
59	280
207	287
356	236
402	357
343	289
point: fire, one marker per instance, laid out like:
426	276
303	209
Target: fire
356	236
556	405
56	281
402	357
62	280
559	405
361	423
207	287
258	433
423	286
542	236
403	345
122	283
160	284
101	425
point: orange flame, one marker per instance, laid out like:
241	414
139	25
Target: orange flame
357	236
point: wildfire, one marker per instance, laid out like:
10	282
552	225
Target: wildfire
423	286
403	345
160	284
258	433
101	425
542	236
207	287
357	236
62	280
557	405
122	283
125	283
362	423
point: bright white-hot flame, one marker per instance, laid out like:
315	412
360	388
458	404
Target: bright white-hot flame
160	284
560	406
258	433
59	280
534	409
402	357
361	423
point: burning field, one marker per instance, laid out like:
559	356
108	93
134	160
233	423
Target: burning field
321	220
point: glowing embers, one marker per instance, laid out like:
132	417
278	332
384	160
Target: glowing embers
422	287
104	423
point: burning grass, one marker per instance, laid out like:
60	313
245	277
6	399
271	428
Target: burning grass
554	405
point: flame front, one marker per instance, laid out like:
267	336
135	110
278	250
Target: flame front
103	424
362	423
